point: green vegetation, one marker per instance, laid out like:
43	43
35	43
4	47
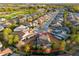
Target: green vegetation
27	49
62	45
9	37
17	13
54	46
76	9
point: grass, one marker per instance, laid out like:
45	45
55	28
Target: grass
23	12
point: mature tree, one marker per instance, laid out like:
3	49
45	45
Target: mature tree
7	30
74	30
27	48
12	26
16	38
75	37
62	45
54	46
6	33
68	24
10	39
76	9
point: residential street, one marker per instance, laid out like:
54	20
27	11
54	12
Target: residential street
39	29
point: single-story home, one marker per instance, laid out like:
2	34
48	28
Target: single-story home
1	28
6	51
61	33
20	28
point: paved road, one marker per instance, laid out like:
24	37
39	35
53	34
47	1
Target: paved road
47	23
45	27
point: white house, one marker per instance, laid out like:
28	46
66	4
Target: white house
2	19
1	28
1	45
20	28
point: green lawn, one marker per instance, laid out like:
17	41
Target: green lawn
23	12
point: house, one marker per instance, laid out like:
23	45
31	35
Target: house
8	23
20	34
40	21
23	33
44	40
41	10
1	45
22	43
26	16
16	19
12	21
2	20
60	20
20	28
46	16
66	29
61	33
41	40
1	28
34	24
30	19
6	51
34	15
54	40
22	20
26	35
76	15
57	24
73	20
75	23
42	18
3	25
